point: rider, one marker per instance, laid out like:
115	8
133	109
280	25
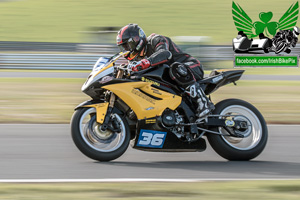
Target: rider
158	49
284	39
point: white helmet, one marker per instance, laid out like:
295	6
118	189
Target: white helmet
296	31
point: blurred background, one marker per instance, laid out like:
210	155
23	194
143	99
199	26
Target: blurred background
48	47
68	20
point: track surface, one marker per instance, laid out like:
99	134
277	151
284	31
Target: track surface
47	152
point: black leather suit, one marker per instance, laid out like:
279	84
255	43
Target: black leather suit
161	49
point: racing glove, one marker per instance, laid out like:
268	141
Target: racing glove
143	64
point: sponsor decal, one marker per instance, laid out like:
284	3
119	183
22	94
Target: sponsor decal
142	95
156	91
151	139
218	78
150	108
141	33
105	79
150	81
150	121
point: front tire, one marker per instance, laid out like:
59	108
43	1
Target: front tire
95	143
233	148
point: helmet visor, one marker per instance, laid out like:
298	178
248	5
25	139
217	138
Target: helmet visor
124	47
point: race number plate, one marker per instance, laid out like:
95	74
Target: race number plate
152	139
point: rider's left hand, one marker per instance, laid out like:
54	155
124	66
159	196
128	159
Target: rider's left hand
143	64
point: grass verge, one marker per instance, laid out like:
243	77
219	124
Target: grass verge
63	20
153	190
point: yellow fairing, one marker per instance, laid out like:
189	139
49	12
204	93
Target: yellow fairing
101	109
144	106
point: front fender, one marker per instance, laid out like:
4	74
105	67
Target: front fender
100	106
88	102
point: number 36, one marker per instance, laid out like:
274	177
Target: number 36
151	139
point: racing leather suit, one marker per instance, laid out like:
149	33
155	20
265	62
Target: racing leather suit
161	50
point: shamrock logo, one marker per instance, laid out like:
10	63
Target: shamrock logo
265	18
244	23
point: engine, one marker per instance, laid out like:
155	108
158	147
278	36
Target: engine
168	118
171	120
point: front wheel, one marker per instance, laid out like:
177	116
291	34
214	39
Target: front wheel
235	148
95	143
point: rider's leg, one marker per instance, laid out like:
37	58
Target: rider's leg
183	75
205	106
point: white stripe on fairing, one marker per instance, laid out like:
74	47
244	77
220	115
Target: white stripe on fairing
135	180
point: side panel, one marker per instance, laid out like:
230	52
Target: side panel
144	100
151	137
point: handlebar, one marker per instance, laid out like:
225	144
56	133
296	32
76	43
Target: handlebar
127	68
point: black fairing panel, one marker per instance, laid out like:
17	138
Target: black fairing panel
219	78
171	142
160	74
95	90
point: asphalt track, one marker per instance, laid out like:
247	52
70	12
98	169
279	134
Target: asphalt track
43	151
85	75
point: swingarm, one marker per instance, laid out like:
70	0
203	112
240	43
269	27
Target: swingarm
235	125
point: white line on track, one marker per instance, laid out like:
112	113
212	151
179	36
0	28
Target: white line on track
297	125
131	180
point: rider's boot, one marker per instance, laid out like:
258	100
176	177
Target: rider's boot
205	106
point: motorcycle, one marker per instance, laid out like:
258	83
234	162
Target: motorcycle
280	45
149	109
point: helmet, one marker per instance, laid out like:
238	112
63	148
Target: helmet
131	38
296	31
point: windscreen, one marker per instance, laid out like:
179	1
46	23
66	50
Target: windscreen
102	62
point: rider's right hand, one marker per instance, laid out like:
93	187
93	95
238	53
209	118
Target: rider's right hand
143	64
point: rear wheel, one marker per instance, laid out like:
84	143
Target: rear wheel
255	136
95	143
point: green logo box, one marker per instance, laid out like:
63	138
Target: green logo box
255	60
252	29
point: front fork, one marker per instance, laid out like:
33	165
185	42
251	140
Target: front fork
112	100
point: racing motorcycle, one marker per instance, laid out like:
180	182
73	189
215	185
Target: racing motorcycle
150	111
281	45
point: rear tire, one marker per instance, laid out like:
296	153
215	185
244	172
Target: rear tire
94	143
233	148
